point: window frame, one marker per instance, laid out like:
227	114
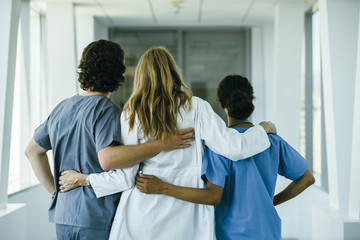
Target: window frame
25	177
322	178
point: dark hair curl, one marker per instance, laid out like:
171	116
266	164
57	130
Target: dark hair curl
102	67
236	94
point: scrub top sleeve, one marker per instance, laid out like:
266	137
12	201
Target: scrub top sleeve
292	165
107	128
226	141
113	181
215	168
41	135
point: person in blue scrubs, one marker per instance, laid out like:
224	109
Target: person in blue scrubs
83	133
244	190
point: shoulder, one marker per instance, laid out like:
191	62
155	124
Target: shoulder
199	103
275	137
195	101
212	156
286	150
282	143
198	100
64	104
124	118
107	102
101	110
106	105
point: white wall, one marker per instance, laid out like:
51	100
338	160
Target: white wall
354	202
61	51
84	33
316	214
269	78
288	33
257	74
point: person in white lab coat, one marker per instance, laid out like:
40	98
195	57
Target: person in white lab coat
160	104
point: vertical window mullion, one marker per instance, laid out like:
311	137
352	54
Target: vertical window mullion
309	90
9	19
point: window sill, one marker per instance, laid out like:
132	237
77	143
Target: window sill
18	186
11	208
23	189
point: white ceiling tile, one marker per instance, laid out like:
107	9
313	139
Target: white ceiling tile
161	12
164	12
224	12
261	11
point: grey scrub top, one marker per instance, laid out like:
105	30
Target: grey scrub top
75	131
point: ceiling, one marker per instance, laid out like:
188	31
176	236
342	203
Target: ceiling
208	55
192	13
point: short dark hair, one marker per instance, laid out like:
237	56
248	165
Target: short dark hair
102	67
236	94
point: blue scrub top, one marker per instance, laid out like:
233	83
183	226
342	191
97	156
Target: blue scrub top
246	210
75	131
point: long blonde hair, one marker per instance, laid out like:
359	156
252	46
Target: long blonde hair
158	94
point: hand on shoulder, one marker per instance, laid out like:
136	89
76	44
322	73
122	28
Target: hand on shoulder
268	126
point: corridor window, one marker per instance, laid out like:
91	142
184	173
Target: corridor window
313	101
317	96
30	101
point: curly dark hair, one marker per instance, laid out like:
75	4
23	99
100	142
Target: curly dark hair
236	94
102	67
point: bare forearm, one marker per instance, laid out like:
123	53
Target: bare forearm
194	195
154	185
41	168
294	188
127	155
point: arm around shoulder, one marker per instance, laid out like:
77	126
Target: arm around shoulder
124	156
269	127
229	142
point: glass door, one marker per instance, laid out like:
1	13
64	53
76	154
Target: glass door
209	57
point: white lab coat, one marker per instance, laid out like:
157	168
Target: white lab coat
147	216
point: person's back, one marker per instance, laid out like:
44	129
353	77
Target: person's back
158	217
76	130
246	210
72	129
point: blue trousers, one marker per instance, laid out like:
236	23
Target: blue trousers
67	232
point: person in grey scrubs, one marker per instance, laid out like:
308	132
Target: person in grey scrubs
83	133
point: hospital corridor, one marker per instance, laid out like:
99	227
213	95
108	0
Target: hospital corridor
301	57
